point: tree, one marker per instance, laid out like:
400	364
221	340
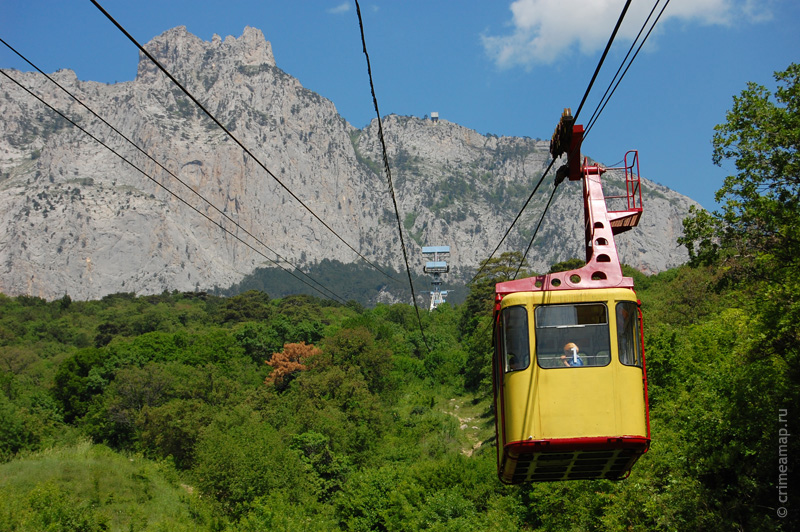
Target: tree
754	241
252	305
569	264
288	362
328	471
356	348
78	379
15	432
701	237
475	324
759	223
240	457
481	288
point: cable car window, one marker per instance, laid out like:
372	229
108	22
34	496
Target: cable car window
629	337
572	335
516	341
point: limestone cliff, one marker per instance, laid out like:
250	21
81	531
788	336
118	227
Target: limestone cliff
81	220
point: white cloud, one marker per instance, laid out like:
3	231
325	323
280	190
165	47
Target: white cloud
344	7
544	31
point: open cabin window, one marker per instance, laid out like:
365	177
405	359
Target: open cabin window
583	326
515	338
629	337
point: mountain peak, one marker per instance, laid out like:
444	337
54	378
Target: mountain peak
182	52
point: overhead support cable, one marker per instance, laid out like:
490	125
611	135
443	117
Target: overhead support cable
544	212
235	139
604	101
606	96
519	214
388	170
602	57
176	196
118	132
550	166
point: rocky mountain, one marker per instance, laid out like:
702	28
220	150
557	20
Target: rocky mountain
81	220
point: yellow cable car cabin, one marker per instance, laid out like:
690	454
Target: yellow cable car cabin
569	375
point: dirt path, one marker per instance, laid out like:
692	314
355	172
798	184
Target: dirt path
468	424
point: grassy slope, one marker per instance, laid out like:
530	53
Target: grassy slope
89	487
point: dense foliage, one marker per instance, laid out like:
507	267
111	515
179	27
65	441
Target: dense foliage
188	411
758	227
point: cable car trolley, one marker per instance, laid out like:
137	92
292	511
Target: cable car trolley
570	383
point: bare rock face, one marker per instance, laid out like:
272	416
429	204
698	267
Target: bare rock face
190	209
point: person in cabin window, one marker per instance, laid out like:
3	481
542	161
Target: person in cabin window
570	357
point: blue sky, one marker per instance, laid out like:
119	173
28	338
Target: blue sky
501	67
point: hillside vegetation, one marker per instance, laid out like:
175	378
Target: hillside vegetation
187	411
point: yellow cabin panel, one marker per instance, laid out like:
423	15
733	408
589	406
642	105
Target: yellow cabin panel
572	402
576	403
630	401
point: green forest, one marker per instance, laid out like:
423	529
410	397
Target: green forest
191	411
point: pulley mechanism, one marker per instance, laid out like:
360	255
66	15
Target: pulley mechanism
567	139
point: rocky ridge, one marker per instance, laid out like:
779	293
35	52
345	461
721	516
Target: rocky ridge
82	221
